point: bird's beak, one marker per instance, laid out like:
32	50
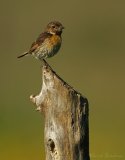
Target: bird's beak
63	27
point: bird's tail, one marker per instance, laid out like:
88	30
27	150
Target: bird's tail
24	54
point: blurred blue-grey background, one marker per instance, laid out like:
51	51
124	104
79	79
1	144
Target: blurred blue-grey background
91	59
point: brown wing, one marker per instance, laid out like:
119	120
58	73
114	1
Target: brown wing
42	37
33	47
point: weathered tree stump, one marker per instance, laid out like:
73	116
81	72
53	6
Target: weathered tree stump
66	133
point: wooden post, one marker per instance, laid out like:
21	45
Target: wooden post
66	133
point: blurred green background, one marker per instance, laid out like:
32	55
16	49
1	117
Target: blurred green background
92	60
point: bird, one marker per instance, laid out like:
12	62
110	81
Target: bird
48	42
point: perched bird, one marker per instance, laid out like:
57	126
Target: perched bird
48	43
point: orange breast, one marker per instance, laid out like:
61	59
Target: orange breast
55	40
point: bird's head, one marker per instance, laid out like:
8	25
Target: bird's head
54	27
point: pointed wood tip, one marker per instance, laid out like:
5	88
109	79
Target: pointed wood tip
44	62
46	65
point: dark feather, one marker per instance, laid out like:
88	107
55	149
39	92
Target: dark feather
43	36
24	54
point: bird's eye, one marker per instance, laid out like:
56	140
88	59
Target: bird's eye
53	26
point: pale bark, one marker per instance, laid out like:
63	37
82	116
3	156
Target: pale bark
66	132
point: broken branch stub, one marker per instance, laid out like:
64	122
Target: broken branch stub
66	133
